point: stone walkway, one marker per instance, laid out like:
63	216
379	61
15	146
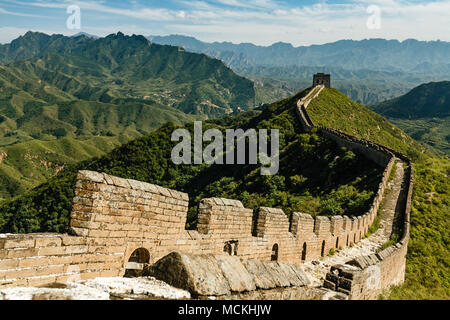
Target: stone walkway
391	209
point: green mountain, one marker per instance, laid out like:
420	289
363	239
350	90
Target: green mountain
65	99
424	113
120	66
316	175
335	110
426	101
43	128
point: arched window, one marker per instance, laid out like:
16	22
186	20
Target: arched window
136	262
304	252
227	249
322	252
274	256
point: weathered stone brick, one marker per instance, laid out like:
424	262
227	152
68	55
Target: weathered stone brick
18	243
52	251
21	253
33	262
7	264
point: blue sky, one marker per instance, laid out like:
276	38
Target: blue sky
300	22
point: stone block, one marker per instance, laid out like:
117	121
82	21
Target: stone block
22	253
48	242
7	264
91	176
198	274
18	243
237	275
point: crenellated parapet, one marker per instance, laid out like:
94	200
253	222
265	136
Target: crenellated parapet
113	218
376	272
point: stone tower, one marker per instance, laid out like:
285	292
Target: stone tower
322	78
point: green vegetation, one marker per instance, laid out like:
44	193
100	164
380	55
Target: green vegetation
25	165
433	132
374	226
316	176
425	101
132	68
333	109
428	262
64	100
423	113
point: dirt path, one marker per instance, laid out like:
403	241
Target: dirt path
391	212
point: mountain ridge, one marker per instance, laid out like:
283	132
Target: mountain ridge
423	113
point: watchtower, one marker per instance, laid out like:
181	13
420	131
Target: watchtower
322	79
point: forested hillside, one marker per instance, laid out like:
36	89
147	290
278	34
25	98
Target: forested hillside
423	113
316	176
66	99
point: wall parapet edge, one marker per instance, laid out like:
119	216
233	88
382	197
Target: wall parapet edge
361	283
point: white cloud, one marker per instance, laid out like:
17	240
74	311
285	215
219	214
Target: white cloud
268	21
3	11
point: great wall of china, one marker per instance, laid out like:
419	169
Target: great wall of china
117	223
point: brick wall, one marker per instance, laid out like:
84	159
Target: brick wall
380	271
367	277
112	217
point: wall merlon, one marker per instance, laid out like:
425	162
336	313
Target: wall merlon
322	226
337	225
92	176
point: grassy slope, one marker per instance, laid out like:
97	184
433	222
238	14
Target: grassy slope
333	109
423	113
434	132
428	259
27	164
428	252
316	176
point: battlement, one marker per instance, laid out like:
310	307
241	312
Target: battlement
322	79
379	271
118	224
112	218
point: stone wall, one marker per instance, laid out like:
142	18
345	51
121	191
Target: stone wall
366	277
112	217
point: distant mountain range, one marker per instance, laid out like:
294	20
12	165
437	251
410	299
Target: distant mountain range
425	101
369	71
374	54
424	113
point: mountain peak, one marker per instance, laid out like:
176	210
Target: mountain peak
281	44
